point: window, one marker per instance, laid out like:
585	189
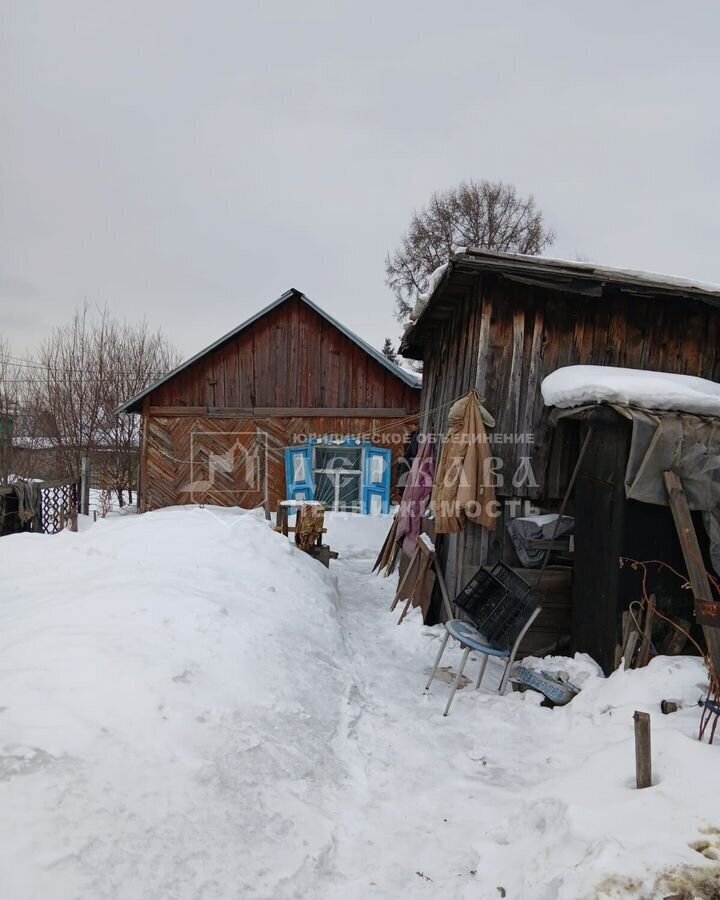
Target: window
338	470
344	475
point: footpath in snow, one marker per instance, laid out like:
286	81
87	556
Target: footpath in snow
192	709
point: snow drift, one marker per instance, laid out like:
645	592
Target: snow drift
163	734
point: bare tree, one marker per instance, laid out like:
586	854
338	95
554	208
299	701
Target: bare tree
474	214
84	371
9	406
140	357
67	394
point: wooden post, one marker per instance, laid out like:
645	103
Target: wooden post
85	485
447	604
643	760
266	483
693	561
281	519
73	520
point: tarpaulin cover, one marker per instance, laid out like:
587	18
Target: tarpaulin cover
686	444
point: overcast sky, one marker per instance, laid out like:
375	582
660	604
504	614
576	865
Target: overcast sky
190	161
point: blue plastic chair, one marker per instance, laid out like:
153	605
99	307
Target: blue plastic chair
500	606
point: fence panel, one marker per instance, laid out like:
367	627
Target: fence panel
58	500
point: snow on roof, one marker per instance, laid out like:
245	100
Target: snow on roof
573	386
424	296
610	273
546	268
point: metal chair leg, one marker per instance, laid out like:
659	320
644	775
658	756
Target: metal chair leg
483	666
443	645
457	679
506	673
516	647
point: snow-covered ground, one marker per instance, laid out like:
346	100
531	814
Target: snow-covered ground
192	709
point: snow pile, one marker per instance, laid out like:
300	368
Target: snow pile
582	824
170	690
577	385
579	669
542	802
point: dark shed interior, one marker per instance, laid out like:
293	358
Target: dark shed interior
609	527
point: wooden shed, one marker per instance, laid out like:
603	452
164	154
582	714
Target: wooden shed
500	323
290	392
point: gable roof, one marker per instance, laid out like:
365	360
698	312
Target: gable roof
570	276
134	403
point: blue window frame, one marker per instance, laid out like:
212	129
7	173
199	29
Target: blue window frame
306	467
299	473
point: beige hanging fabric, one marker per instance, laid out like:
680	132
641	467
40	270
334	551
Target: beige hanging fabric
464	488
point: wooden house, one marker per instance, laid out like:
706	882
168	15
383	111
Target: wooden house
500	323
288	405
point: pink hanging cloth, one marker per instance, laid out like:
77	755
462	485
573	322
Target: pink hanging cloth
416	495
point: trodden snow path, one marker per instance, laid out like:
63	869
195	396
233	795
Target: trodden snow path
193	709
503	798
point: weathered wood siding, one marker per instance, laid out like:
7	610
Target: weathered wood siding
503	338
290	373
176	450
292	357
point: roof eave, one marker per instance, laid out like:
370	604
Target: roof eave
580	278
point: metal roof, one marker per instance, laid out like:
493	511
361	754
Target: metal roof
132	405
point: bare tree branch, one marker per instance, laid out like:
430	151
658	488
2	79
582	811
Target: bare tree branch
86	369
474	214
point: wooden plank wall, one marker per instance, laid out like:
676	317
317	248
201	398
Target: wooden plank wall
176	450
503	338
291	358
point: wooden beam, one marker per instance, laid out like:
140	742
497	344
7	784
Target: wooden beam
171	411
693	561
280	412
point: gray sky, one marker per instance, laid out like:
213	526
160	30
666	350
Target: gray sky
189	161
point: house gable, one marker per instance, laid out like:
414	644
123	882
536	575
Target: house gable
290	356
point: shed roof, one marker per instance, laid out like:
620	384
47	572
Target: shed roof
134	403
573	277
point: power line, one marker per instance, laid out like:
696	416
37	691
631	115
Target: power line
21	363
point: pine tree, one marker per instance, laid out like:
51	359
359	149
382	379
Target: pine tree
389	351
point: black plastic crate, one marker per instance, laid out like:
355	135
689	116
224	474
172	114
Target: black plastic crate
514	582
480	593
498	602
